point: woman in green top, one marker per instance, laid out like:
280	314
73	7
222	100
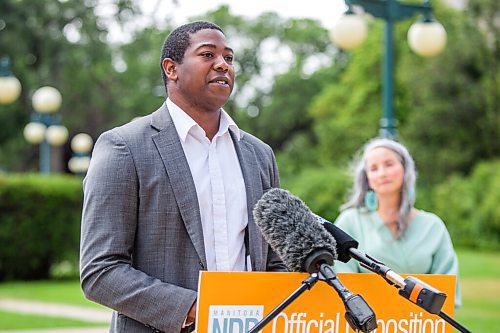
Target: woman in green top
380	215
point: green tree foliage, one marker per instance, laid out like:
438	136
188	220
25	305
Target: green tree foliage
346	112
139	84
453	119
469	206
324	189
62	44
285	115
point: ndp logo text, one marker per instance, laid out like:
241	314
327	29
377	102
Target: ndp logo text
233	318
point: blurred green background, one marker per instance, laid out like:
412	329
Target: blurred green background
314	104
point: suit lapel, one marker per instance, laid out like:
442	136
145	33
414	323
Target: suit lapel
169	146
251	176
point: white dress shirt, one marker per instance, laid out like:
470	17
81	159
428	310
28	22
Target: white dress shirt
219	186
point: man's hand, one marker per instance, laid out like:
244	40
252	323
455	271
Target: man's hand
191	316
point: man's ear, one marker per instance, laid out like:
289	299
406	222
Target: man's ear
169	68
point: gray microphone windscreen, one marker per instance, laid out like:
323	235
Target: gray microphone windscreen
291	230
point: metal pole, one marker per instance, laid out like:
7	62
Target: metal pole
388	122
390	11
45	157
45	148
5	67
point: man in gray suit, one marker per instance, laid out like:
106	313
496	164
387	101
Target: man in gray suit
172	193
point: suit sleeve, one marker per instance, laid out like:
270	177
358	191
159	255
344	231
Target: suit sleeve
108	232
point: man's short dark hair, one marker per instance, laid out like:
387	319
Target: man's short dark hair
177	41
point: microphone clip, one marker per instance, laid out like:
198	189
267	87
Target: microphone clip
423	295
359	314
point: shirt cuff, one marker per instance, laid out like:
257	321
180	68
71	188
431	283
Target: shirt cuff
187	323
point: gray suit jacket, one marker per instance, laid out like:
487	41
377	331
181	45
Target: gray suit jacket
141	239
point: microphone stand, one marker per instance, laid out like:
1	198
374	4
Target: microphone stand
358	314
411	288
306	285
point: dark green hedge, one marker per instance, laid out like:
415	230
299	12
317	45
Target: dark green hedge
39	223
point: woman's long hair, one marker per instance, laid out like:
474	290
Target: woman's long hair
361	186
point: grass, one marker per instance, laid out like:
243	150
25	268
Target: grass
18	321
480	288
479	282
66	292
478	264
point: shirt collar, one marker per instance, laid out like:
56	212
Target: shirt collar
184	123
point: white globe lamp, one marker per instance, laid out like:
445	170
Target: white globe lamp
81	143
47	100
10	89
349	32
57	135
79	164
34	133
427	39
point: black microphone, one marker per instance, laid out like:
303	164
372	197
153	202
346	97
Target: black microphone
291	229
344	242
347	248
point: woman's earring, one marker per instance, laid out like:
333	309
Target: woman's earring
410	192
371	201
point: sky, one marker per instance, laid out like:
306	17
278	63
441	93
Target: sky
327	11
158	11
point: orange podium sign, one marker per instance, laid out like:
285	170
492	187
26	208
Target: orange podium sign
234	302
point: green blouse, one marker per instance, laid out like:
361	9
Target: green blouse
424	248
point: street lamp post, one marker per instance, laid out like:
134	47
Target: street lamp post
426	38
45	127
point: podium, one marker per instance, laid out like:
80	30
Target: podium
233	302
